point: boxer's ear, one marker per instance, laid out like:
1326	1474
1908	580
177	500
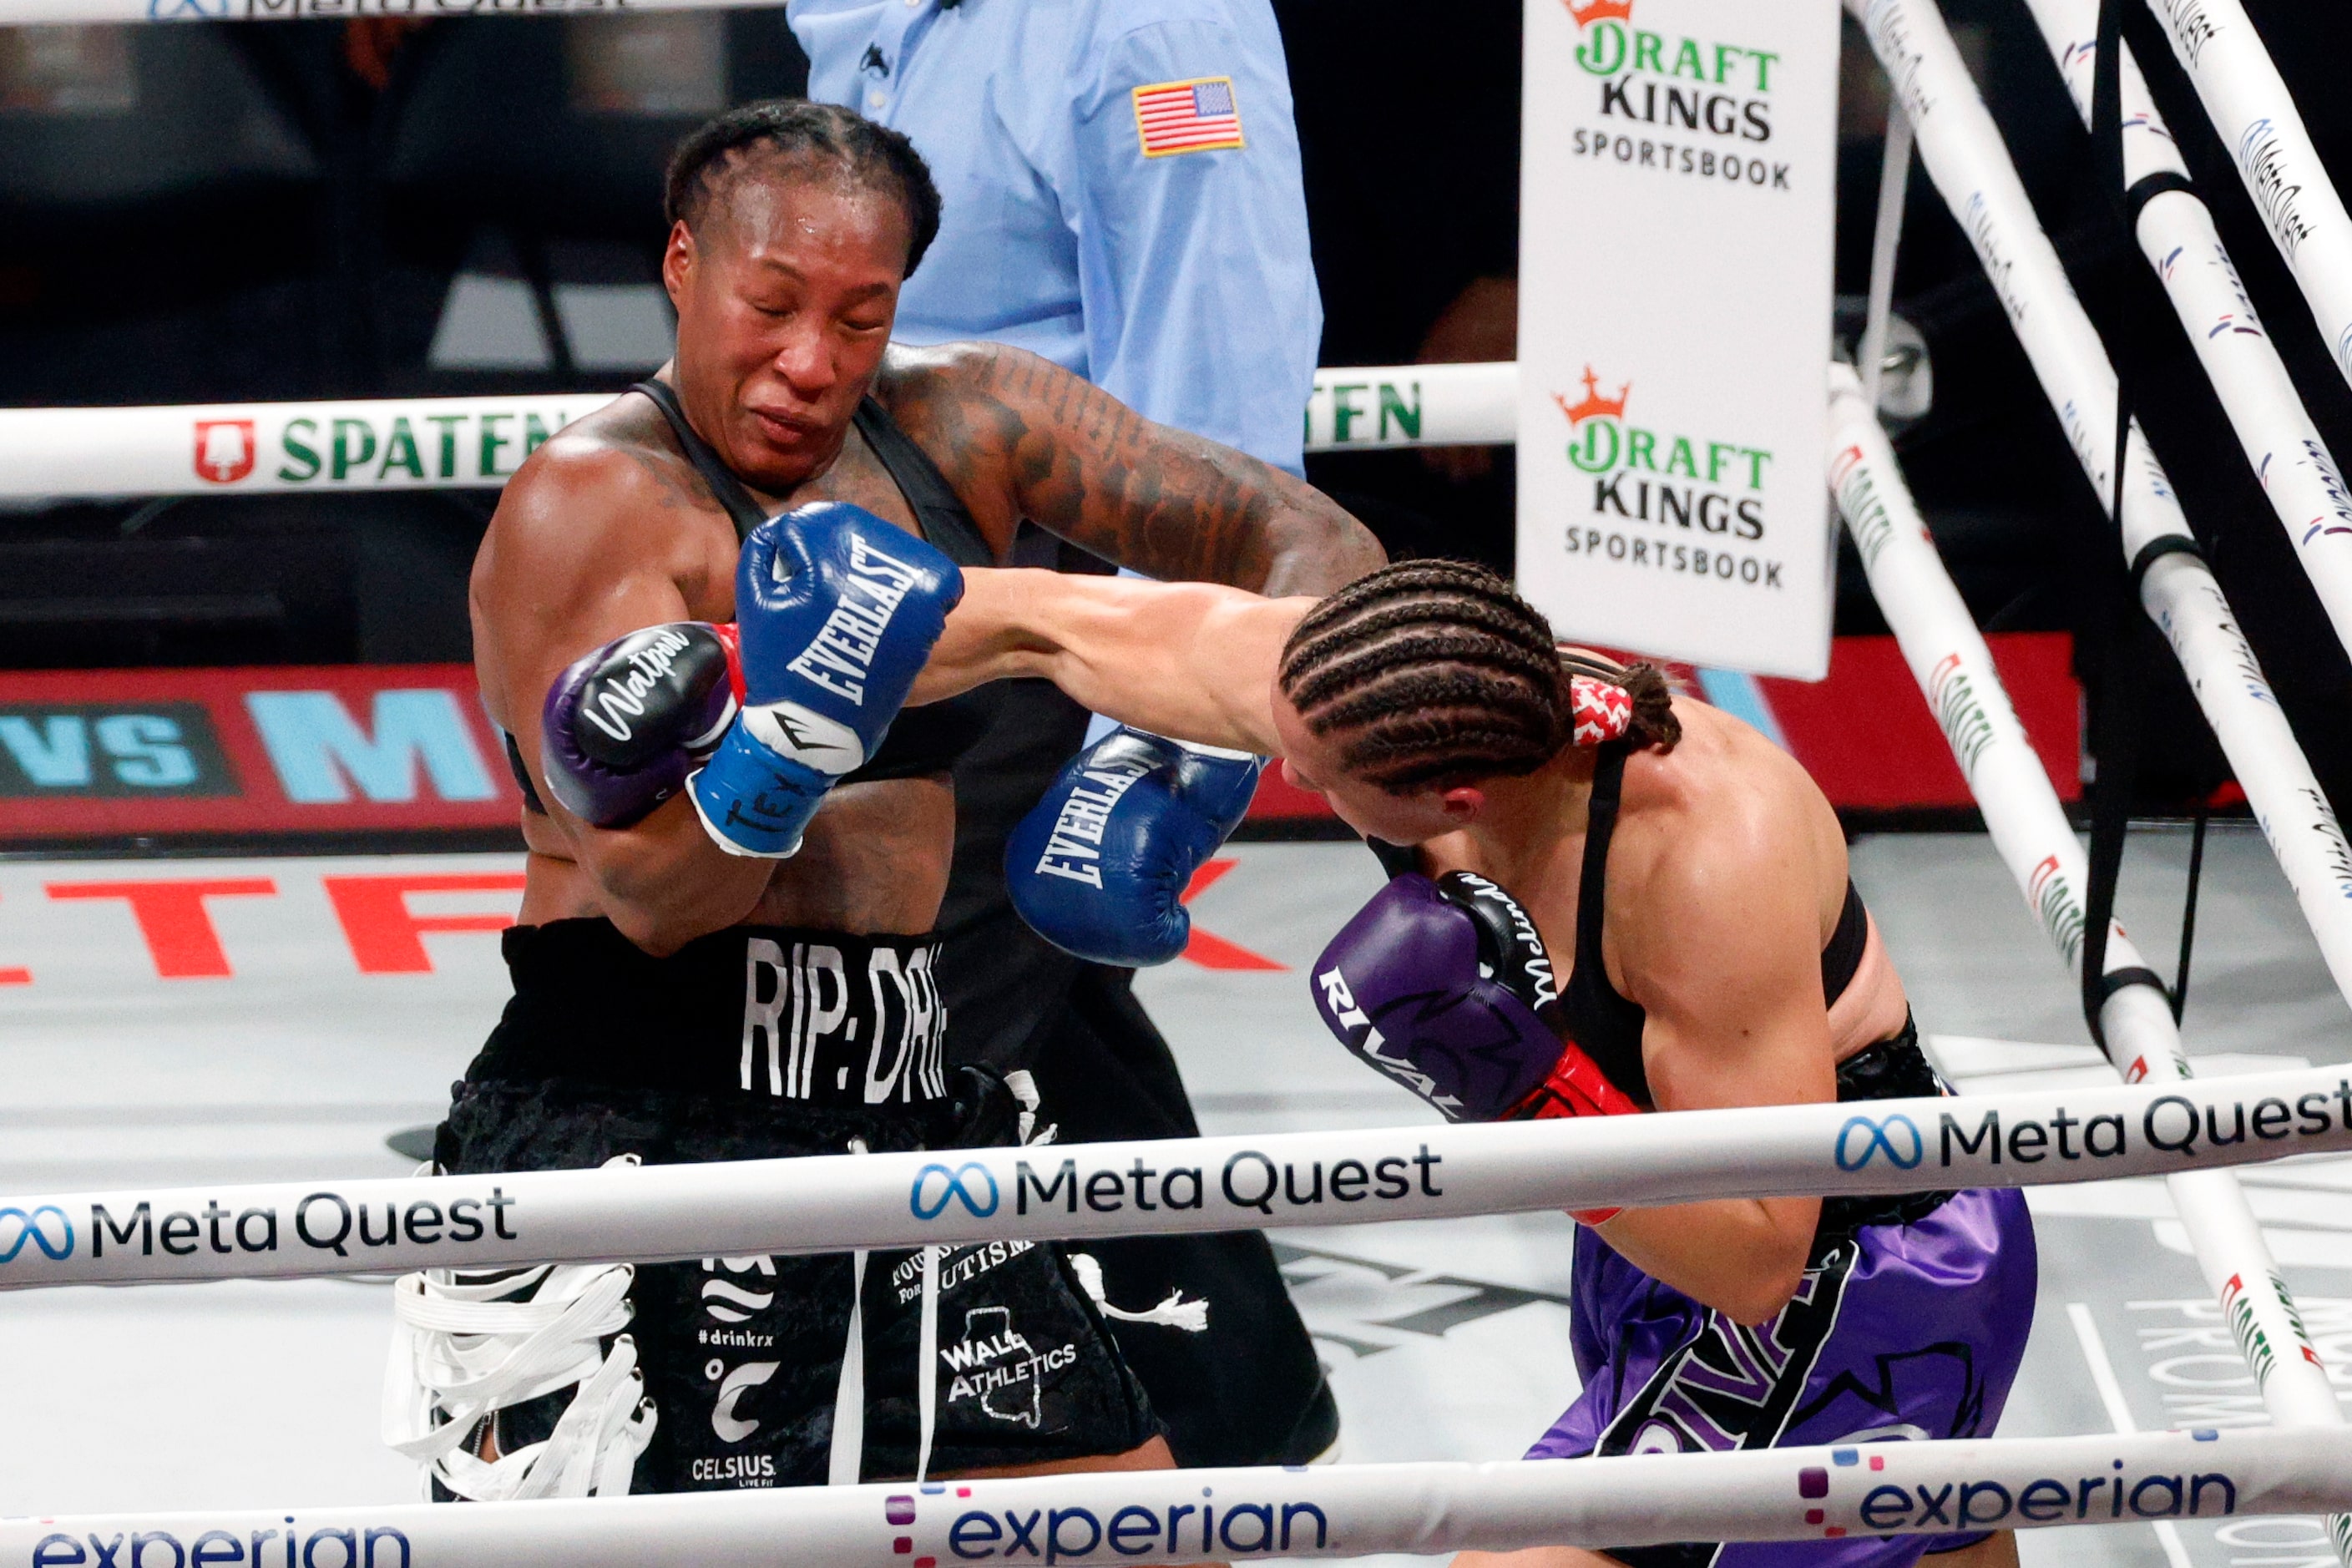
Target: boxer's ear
1462	805
678	257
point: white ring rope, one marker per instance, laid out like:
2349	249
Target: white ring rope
2176	233
1067	1191
2249	106
2029	829
1965	157
1101	1520
430	443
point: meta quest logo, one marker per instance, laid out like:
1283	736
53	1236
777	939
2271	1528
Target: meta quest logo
1674	504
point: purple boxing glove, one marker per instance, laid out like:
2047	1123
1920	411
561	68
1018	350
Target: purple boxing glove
1446	986
623	727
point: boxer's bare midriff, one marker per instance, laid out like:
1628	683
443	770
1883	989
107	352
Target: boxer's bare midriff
872	863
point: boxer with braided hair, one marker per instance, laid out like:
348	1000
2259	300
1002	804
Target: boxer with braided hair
1604	899
1438	673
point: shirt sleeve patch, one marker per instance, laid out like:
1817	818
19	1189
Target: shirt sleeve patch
1195	116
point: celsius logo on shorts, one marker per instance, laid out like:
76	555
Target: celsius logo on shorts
733	1385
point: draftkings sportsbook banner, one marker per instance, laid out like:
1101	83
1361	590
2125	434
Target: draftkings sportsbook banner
1677	202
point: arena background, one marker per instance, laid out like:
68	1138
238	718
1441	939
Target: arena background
273	966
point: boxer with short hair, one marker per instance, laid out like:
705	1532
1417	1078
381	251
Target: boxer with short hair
697	615
1605	899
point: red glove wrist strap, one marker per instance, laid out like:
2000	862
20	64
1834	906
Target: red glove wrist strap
1577	1086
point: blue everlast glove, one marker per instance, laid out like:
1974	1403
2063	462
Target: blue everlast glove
1099	866
838	611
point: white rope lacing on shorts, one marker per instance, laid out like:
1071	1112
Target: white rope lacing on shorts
1023	1085
468	1345
848	1458
1175	1312
844	1464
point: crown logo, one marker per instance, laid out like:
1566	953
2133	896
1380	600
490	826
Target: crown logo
1589	11
1594	406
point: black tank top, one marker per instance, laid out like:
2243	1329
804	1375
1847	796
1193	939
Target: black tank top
1607	1025
1608	1028
921	741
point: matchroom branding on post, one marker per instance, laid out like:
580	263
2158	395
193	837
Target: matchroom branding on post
1677	203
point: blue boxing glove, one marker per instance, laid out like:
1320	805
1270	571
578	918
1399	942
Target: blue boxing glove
837	611
1099	866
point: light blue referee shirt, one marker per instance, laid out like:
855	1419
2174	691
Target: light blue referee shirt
1179	281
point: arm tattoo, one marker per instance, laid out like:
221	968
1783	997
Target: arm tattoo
1074	460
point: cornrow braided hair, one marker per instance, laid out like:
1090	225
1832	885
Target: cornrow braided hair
1434	674
819	139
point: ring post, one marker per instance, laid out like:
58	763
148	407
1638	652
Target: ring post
1948	658
2249	105
1965	157
2176	233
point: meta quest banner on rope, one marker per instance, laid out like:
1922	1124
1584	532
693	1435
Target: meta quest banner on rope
1676	207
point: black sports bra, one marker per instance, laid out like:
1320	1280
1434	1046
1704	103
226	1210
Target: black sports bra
921	741
1607	1025
1608	1028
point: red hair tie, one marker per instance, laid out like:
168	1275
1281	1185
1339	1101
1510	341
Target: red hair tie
1603	713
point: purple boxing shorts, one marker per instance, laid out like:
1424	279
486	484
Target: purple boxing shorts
1902	1333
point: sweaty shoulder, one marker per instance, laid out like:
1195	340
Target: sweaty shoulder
1724	817
607	494
935	387
604	528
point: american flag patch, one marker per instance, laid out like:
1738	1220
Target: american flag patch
1196	116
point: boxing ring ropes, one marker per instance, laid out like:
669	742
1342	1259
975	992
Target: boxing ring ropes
2159	1121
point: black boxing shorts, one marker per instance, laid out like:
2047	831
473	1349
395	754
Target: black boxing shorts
761	1043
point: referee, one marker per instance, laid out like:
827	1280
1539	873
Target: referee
1120	193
